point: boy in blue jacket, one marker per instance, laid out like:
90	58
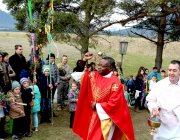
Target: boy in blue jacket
46	87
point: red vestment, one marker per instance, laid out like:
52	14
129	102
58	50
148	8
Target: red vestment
109	93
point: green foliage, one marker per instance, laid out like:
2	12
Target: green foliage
167	9
87	17
65	22
3	99
162	18
32	65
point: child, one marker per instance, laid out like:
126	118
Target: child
2	121
16	111
116	72
152	82
27	97
45	88
131	85
73	98
163	74
36	107
55	74
3	134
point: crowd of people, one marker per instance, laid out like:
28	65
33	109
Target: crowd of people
98	109
26	90
142	85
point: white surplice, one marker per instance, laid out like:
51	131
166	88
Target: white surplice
166	96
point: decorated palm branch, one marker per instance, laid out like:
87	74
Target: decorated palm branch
62	71
3	100
40	29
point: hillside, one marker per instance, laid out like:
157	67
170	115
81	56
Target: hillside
140	52
6	21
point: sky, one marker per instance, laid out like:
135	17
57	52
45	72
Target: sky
3	6
116	26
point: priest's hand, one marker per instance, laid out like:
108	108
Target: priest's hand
93	105
155	111
88	56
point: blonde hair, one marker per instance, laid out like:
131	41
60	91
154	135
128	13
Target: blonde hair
75	83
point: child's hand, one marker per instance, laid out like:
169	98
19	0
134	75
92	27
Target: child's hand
51	86
56	84
76	100
32	93
12	100
22	112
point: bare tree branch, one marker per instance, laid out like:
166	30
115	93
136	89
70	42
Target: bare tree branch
144	37
74	46
104	39
140	16
120	21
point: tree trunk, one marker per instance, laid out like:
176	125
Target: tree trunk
159	53
160	43
84	45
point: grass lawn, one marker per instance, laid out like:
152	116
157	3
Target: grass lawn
59	131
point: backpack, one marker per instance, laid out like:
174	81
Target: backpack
62	72
130	83
131	99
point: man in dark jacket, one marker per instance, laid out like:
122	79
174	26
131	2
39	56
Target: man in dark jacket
17	62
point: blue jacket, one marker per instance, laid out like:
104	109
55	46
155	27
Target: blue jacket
158	75
44	88
37	99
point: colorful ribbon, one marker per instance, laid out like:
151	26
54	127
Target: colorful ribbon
30	11
33	39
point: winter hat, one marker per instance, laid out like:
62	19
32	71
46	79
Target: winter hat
24	74
45	67
15	84
22	80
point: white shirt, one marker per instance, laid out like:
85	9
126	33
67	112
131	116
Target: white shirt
151	84
166	96
1	113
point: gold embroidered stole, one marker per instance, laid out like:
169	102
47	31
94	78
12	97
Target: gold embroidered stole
98	94
106	127
97	90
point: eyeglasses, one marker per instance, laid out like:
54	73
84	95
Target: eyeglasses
100	65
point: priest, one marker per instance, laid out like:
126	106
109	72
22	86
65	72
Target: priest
164	102
102	112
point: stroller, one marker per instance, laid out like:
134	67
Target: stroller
130	98
131	89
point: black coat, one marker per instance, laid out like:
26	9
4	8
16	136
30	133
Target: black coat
26	98
80	64
18	64
44	88
139	83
